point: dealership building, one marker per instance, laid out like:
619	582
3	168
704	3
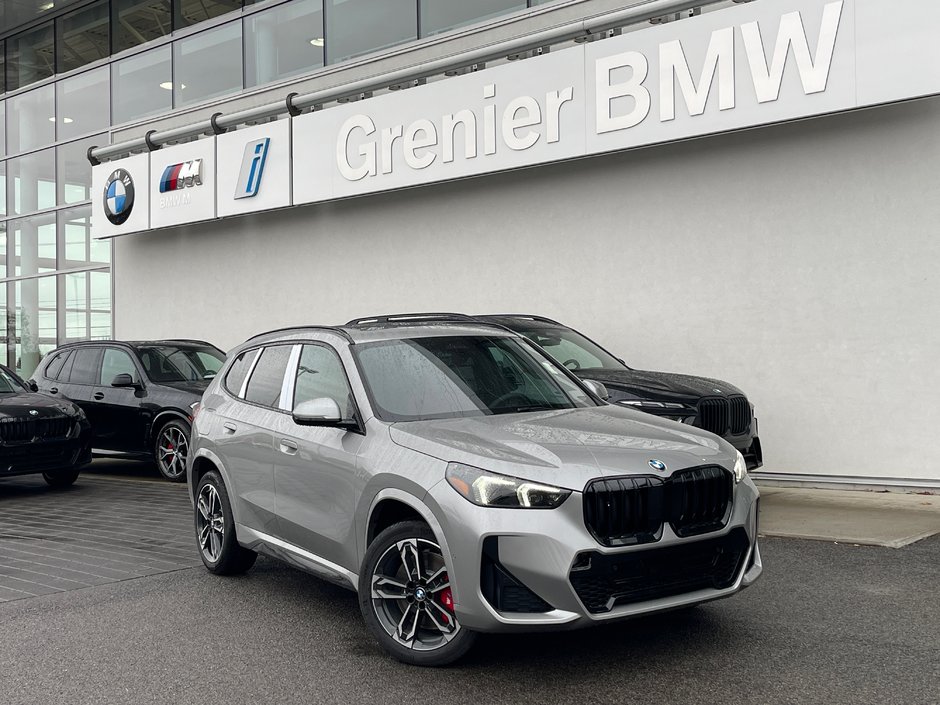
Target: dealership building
741	190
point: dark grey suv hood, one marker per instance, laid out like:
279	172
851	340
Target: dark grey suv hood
565	448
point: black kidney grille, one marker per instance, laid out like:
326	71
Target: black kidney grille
722	416
24	430
603	582
624	511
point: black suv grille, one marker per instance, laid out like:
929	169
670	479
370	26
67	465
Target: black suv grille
623	511
606	581
19	430
723	416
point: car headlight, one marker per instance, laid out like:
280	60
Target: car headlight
740	468
487	489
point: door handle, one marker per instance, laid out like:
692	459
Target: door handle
98	396
288	447
229	427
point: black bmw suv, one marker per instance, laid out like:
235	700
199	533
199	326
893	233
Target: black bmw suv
138	396
710	404
40	434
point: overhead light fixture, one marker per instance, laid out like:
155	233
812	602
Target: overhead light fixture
168	85
317	41
66	120
46	6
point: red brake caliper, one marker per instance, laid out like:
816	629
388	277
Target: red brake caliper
446	598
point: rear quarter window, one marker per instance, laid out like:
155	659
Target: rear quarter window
55	365
236	374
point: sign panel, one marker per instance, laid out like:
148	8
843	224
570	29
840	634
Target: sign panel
120	196
253	172
182	181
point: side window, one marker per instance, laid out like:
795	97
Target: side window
236	373
56	365
85	366
116	362
66	370
267	378
320	374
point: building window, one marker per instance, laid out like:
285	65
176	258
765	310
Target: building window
208	64
83	36
357	27
3	260
73	184
31	182
34	304
190	12
87	305
34	249
30	57
82	103
441	15
3	71
31	120
136	22
77	248
3	189
3	125
284	41
142	85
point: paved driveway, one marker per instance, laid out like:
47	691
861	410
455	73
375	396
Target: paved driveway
828	623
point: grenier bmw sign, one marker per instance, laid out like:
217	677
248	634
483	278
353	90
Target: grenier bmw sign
738	67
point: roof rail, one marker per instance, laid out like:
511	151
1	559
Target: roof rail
184	340
412	318
331	329
527	316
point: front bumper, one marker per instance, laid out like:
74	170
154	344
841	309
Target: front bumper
46	456
539	548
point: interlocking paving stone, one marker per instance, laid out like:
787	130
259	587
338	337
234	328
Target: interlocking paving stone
101	530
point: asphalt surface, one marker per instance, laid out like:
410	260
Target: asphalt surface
828	623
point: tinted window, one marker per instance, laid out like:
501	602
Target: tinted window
266	381
66	368
172	363
570	348
320	374
9	383
238	371
54	367
117	362
85	366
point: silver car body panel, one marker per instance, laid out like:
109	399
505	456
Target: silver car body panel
312	507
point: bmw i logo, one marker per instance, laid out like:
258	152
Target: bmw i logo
658	465
119	196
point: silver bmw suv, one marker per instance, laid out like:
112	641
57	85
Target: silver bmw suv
461	481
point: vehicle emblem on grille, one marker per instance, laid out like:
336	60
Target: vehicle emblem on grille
33	412
717	391
658	465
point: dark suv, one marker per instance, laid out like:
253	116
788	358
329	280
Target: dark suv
138	396
709	404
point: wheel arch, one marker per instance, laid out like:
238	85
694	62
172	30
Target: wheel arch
162	417
203	461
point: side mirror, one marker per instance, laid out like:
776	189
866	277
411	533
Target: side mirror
318	412
33	387
599	389
124	380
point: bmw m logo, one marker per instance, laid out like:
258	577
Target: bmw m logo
180	176
658	465
119	197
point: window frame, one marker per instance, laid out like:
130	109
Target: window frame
254	364
134	361
99	351
292	374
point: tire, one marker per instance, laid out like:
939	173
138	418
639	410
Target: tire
212	514
170	448
61	478
411	619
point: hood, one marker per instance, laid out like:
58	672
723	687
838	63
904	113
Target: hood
564	448
19	405
195	387
660	386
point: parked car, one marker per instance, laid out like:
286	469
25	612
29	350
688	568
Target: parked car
40	434
138	396
710	404
461	481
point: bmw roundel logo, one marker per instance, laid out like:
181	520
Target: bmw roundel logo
33	412
119	196
658	465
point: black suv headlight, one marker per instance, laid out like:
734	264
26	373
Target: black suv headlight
488	489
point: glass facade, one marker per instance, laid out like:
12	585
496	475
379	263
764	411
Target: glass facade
55	280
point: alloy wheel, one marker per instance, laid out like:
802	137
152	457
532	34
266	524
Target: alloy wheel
171	451
210	523
411	595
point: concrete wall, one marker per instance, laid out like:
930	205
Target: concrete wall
798	262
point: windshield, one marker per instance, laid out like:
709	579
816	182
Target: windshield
9	383
171	363
571	349
459	376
